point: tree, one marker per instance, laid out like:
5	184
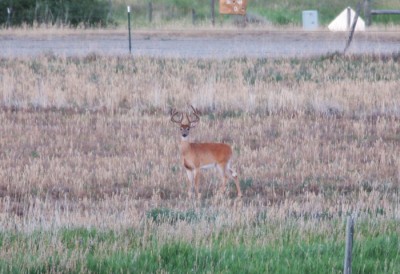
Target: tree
66	12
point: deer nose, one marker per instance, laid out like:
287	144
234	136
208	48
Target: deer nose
184	135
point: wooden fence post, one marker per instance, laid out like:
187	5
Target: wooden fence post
349	245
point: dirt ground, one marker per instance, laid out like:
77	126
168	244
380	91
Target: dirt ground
218	43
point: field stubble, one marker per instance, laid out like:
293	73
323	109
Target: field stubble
87	142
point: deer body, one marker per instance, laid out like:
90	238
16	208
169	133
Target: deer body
196	156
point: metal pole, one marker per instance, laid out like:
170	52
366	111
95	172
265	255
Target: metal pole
367	12
348	18
129	28
8	17
213	12
353	28
150	8
349	245
193	17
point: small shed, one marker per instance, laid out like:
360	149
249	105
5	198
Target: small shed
344	21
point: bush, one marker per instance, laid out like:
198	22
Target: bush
62	12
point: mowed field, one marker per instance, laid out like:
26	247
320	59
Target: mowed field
91	178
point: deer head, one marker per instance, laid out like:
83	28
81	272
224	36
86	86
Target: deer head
177	117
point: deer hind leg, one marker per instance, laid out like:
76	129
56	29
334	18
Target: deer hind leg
223	170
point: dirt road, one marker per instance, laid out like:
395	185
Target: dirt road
201	44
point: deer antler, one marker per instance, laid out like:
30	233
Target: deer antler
196	113
174	113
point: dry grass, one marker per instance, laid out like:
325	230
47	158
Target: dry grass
88	141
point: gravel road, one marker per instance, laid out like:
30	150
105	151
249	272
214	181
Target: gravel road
202	44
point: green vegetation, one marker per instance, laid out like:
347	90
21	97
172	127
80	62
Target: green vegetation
63	12
260	248
109	12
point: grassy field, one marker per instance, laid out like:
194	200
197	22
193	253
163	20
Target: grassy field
91	179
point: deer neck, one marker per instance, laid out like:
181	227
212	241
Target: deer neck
184	143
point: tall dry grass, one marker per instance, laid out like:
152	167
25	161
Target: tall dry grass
88	142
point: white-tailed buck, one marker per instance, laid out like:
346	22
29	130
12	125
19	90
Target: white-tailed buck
196	156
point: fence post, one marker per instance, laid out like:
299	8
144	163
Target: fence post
150	11
193	16
129	28
367	12
349	245
213	12
8	24
348	18
353	27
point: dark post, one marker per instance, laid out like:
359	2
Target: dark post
213	12
193	16
349	245
353	27
129	28
150	12
8	17
348	18
367	12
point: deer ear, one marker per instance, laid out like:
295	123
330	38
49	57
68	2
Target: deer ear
193	124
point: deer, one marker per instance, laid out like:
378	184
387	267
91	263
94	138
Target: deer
197	156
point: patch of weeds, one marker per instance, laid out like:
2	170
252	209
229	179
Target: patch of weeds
94	78
124	104
85	238
250	76
303	74
37	67
231	114
278	77
166	215
35	154
175	169
294	61
133	176
378	211
246	183
119	68
261	217
78	237
211	116
367	186
202	65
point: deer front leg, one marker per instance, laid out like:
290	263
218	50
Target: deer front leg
191	183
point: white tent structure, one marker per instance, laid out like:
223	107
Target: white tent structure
344	21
